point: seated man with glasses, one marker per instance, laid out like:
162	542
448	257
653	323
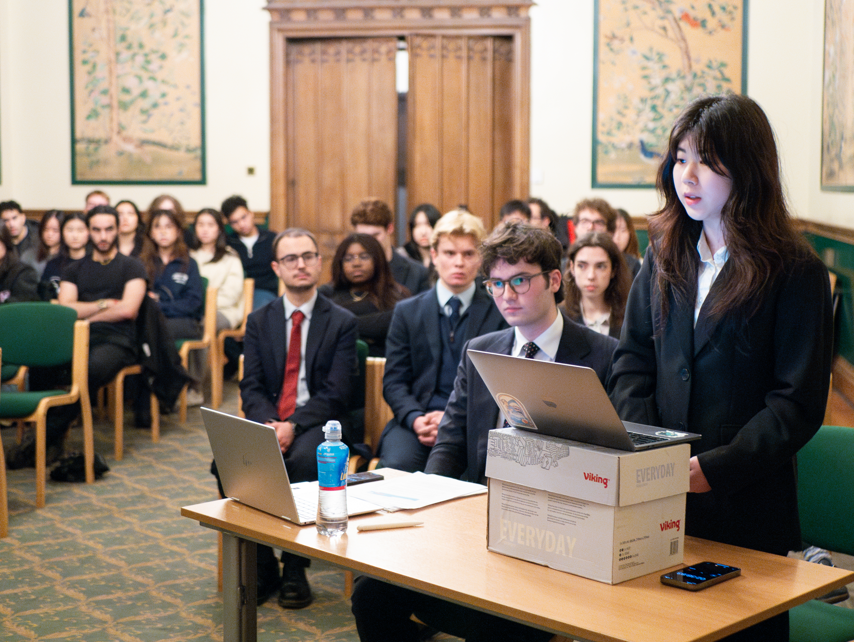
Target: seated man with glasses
597	215
426	338
523	266
300	363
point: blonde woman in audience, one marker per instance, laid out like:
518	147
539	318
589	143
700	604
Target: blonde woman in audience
597	284
220	265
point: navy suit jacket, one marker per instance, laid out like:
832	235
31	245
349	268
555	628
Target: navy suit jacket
756	393
409	273
330	356
460	449
414	348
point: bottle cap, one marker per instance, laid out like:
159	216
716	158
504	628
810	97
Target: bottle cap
332	429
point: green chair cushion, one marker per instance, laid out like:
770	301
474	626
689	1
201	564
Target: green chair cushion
816	620
8	372
14	405
37	334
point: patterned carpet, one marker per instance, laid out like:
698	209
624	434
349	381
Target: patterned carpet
115	561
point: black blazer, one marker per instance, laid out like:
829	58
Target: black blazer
414	348
409	273
330	356
755	394
460	449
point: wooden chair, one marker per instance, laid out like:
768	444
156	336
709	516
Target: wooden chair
115	392
4	502
377	411
53	337
218	354
185	346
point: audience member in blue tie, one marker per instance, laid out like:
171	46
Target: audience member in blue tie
425	341
523	266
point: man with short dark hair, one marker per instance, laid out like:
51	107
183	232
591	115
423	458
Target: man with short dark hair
254	246
373	216
597	215
300	352
24	232
523	266
106	288
514	211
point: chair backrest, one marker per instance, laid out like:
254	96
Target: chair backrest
826	489
357	399
248	296
37	334
209	318
377	411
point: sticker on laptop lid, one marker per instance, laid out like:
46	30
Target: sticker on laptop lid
515	412
670	434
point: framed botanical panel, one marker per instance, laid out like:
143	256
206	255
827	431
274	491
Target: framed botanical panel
651	58
837	110
137	91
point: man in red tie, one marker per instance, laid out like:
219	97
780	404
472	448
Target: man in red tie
300	363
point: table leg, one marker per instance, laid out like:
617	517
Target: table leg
239	589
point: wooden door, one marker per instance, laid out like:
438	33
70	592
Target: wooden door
341	115
460	146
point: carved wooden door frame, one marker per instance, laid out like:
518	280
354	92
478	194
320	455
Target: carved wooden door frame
365	18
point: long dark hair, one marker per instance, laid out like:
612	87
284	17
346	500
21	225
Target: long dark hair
11	256
734	138
43	251
617	291
150	255
633	248
382	289
71	216
221	248
140	239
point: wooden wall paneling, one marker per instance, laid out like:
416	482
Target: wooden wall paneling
454	108
425	143
334	121
505	160
382	103
302	112
279	132
480	138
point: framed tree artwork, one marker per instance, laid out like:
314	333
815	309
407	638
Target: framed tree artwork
651	58
837	109
137	91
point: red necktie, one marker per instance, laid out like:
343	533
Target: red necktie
288	398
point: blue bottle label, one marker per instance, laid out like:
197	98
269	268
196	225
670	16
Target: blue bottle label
332	459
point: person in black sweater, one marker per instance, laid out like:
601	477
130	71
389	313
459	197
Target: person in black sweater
254	246
362	283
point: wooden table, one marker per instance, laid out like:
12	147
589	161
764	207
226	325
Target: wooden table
447	557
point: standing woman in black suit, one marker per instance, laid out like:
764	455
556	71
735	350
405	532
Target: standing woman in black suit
728	331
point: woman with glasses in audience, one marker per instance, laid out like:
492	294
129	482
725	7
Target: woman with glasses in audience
74	233
362	283
220	265
597	284
132	238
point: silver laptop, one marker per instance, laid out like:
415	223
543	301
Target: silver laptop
564	401
252	470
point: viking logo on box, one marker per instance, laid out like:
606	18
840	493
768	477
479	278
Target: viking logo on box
593	477
670	524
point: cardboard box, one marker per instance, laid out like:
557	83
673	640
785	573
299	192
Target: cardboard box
605	514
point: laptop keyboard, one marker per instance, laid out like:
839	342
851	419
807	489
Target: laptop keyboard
306	506
641	439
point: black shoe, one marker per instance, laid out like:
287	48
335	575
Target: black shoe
23	455
818	555
295	592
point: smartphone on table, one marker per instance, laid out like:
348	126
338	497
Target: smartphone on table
700	576
362	478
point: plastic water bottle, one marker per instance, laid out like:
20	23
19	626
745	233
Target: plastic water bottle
332	459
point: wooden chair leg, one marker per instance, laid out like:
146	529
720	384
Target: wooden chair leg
219	563
348	584
117	403
88	440
41	466
217	358
155	419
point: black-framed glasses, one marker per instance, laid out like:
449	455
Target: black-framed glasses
364	257
308	258
520	283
